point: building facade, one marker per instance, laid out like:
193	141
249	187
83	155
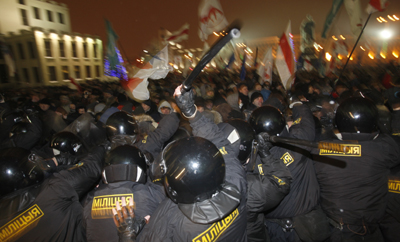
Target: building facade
45	50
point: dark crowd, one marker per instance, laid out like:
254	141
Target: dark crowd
227	160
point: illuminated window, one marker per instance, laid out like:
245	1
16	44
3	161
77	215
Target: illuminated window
47	48
85	53
77	70
21	51
73	47
49	15
95	50
31	50
88	72
24	16
62	48
61	18
97	71
26	74
65	72
52	73
36	11
36	74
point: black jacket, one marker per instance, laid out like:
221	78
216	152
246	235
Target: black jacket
265	191
99	203
51	211
168	223
304	188
354	185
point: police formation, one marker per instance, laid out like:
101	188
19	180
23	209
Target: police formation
203	164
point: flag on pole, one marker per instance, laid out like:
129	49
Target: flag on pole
255	59
285	60
353	8
156	68
112	38
376	5
231	61
211	17
179	35
243	71
265	69
78	87
331	16
7	57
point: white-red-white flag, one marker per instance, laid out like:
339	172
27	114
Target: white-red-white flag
285	60
353	8
179	35
376	5
265	69
211	17
156	68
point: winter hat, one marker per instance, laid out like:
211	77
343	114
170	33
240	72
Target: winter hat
255	95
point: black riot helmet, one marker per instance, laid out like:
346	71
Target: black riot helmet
267	119
67	142
19	128
17	171
247	136
195	170
121	123
179	134
125	163
356	115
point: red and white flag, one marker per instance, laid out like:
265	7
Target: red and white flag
265	69
285	60
156	68
376	5
353	8
76	85
211	17
179	35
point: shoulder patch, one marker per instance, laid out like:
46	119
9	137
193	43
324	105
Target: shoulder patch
260	169
21	224
287	159
144	140
351	150
223	151
280	181
297	121
217	228
102	205
394	186
76	165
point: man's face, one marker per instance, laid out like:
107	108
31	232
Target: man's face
258	102
145	107
44	107
165	110
81	111
244	90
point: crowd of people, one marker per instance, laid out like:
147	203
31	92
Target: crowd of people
218	162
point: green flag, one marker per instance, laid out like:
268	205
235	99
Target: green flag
112	38
331	15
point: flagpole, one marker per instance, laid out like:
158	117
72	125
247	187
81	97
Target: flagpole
122	48
354	47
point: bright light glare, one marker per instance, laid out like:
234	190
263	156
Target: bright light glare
386	34
395	54
145	51
395	17
362	48
371	55
390	17
328	56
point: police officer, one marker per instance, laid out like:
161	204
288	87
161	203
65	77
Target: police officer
122	129
38	209
353	183
206	186
293	218
270	186
124	176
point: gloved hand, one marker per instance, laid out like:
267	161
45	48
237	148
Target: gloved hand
46	165
185	102
263	144
128	225
66	159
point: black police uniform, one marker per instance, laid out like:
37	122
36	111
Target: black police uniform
99	203
304	189
51	210
168	223
354	184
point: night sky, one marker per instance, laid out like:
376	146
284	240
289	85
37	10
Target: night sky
137	22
